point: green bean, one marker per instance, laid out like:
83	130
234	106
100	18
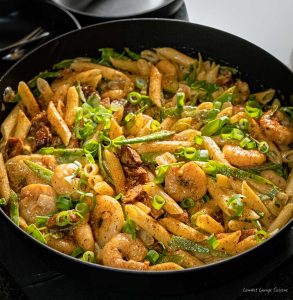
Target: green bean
178	242
159	135
61	151
14	207
214	167
40	171
103	170
63	155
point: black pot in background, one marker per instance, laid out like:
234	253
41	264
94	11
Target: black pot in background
20	17
91	12
257	67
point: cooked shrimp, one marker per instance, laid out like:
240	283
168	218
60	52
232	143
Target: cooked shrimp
60	181
188	181
65	244
107	219
36	200
83	236
277	127
124	252
20	175
240	157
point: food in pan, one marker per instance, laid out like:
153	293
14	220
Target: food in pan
148	161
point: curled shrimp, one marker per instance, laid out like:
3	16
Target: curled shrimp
277	127
188	181
124	252
61	181
240	157
107	219
64	244
36	200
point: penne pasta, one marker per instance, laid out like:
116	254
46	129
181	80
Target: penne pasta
45	90
155	86
147	223
28	99
165	146
178	228
125	65
71	105
58	123
4	182
175	56
9	123
115	170
23	126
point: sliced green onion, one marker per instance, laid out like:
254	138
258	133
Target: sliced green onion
82	208
134	98
189	152
155	125
63	218
129	117
69	178
152	256
187	203
3	201
118	197
64	202
41	220
263	147
211	114
158	202
217	105
213	126
36	233
253	109
160	173
91	147
227	96
237	134
206	198
250	145
180	101
131	54
140	83
130	228
213	242
88	256
198	140
244	142
243	124
236	204
77	252
261	235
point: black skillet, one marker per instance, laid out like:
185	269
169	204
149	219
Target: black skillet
258	67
